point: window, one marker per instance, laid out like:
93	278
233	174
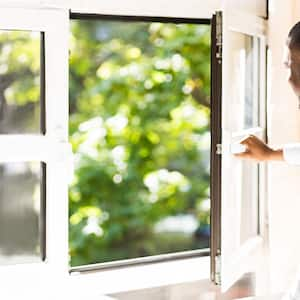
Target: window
33	81
140	129
22	111
23	148
21	75
238	229
246	81
22	206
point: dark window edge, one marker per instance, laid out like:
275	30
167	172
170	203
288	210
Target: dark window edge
134	18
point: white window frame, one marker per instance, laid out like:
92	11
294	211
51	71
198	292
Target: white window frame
247	257
53	148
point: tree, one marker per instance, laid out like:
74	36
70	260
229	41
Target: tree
139	125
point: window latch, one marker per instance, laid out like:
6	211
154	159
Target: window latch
218	268
219	149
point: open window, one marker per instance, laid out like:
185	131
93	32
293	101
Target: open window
140	129
238	59
237	107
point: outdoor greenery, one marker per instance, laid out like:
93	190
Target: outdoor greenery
19	82
140	131
140	128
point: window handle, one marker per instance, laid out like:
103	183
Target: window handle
236	148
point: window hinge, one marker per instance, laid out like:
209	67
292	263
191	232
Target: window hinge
218	268
219	41
219	149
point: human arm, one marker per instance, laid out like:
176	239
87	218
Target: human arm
257	150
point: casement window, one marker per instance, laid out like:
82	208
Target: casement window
36	160
239	213
34	147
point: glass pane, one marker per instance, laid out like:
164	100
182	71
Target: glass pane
140	128
20	208
243	98
245	81
20	88
249	201
252	81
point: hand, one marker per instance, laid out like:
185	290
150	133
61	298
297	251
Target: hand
258	150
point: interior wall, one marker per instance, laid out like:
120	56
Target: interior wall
284	127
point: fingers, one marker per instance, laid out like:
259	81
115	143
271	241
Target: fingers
255	148
251	140
246	156
247	140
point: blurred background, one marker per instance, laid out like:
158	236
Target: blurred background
140	131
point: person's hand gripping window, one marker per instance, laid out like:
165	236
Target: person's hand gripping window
256	149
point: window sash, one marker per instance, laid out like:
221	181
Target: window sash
51	148
246	256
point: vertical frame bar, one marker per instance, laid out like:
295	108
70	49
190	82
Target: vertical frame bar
43	193
215	163
42	85
43	207
56	92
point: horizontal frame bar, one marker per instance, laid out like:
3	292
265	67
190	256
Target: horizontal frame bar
127	18
139	261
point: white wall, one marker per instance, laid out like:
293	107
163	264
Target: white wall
284	127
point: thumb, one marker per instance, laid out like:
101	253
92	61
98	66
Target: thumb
245	154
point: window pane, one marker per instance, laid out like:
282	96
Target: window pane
245	81
244	94
20	208
251	109
140	128
249	201
20	88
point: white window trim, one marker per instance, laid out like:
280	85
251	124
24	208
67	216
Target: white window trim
29	279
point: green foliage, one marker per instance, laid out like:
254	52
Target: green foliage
19	82
139	125
20	58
